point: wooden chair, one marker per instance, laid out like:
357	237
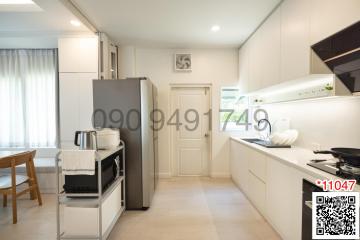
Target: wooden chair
9	183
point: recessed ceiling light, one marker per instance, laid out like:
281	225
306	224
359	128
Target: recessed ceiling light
11	2
215	28
75	23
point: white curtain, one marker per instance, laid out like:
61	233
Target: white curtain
28	113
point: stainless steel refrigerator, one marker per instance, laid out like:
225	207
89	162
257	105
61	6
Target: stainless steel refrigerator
127	104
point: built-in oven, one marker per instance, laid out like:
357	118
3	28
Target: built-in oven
308	189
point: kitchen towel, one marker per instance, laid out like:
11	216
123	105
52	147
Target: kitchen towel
78	162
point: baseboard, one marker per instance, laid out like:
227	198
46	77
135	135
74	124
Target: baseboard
220	175
165	175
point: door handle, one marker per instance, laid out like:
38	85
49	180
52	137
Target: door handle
206	135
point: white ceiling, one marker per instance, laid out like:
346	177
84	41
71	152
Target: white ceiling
177	23
53	19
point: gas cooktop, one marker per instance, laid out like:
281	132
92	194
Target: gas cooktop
337	168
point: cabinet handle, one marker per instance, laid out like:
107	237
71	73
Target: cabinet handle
308	204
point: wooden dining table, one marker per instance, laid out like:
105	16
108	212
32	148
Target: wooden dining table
4	154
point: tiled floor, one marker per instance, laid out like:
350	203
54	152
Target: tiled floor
183	209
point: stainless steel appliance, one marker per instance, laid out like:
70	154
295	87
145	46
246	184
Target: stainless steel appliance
341	53
132	101
264	143
308	189
87	139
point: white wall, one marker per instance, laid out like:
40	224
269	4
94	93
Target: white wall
328	122
29	42
218	67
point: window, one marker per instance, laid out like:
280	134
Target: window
28	97
233	110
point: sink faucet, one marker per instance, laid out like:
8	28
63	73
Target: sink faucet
268	123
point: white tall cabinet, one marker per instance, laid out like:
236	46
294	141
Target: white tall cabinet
78	66
280	50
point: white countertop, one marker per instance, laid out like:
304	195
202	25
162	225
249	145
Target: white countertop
295	157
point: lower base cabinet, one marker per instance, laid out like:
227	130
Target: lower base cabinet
284	199
257	192
274	188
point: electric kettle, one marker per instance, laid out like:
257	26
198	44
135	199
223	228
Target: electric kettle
86	140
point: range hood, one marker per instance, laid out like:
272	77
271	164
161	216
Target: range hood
341	53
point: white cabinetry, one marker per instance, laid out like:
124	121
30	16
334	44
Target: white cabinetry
78	54
75	104
248	171
78	66
273	187
239	165
280	50
108	58
257	192
284	199
255	62
270	50
244	57
259	59
295	39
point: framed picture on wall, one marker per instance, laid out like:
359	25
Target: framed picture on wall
183	62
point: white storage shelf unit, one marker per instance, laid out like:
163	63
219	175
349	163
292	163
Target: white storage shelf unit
84	216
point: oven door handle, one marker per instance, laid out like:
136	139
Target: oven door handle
308	204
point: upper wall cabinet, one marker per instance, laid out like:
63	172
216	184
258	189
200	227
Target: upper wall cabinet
329	17
295	39
280	50
78	54
270	50
259	60
244	56
255	57
108	58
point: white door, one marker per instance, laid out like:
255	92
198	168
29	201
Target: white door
191	137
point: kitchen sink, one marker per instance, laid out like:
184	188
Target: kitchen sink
251	140
264	143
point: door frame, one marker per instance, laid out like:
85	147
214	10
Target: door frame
174	86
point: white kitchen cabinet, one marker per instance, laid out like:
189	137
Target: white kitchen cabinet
255	62
284	199
257	192
239	155
273	187
244	68
329	17
270	50
76	104
78	54
295	39
280	49
78	66
257	164
108	59
259	63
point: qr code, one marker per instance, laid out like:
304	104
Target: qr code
335	215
